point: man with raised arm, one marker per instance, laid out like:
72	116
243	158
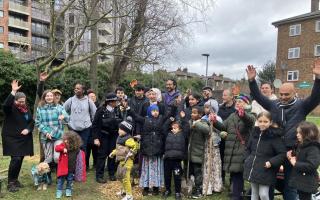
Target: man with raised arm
287	111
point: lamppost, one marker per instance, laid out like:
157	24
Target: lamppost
207	55
153	63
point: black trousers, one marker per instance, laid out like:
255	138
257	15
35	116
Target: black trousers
304	195
173	166
14	168
237	185
107	144
91	148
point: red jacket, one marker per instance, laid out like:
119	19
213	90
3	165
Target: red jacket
63	161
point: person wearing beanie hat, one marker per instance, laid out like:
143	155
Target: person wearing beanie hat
152	148
17	140
105	132
238	127
125	150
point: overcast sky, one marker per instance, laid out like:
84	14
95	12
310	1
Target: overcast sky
237	33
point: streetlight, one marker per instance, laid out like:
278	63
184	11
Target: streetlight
153	63
207	55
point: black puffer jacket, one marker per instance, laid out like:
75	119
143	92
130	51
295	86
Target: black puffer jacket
262	147
175	144
304	176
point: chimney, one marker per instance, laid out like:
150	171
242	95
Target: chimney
314	5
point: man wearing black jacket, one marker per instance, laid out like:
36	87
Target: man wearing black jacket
288	111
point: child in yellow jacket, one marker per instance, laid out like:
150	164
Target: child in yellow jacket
125	150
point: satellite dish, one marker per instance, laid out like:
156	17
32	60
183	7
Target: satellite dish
277	83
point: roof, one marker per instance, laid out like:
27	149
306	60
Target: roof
311	15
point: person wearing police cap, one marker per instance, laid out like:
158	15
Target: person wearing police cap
105	132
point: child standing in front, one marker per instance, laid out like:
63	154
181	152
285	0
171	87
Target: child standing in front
198	136
69	151
264	154
305	161
174	153
126	148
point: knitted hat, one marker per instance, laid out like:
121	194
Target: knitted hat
111	97
19	95
207	88
126	126
244	97
151	108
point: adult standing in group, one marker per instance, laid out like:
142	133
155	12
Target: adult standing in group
17	130
288	111
266	90
153	99
172	92
207	96
81	110
225	110
105	134
135	103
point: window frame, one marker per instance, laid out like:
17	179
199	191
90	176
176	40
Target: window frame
316	53
294	27
291	73
293	50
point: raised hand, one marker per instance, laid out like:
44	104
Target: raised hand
251	72
316	68
15	85
241	112
182	114
43	76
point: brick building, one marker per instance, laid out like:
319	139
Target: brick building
297	46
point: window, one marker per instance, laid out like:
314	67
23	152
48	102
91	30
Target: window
1	3
295	30
318	26
317	50
1	29
1	45
1	13
293	75
294	53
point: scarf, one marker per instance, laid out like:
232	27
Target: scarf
21	108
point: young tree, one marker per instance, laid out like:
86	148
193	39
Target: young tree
268	72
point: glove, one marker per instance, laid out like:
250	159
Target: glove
240	112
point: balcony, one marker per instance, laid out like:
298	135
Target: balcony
41	16
18	8
19	39
19	24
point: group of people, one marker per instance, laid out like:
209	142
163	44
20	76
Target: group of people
163	134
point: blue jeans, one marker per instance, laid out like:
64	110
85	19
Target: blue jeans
289	193
61	179
84	134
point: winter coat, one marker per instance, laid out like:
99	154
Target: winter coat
226	111
264	146
175	144
135	105
304	176
198	136
13	142
105	122
288	116
238	129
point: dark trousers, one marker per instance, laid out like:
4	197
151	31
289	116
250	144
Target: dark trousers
221	148
289	193
14	168
304	195
237	185
107	144
91	148
173	166
196	170
84	134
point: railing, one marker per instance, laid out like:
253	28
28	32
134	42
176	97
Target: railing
19	24
18	8
19	39
41	16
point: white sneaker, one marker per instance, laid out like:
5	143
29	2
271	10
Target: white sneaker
128	197
121	193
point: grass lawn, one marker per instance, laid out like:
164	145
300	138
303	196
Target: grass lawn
314	119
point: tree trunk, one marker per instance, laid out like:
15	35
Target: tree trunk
94	48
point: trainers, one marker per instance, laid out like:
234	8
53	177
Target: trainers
121	193
145	192
197	194
178	196
11	187
68	193
166	194
58	194
128	197
101	180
